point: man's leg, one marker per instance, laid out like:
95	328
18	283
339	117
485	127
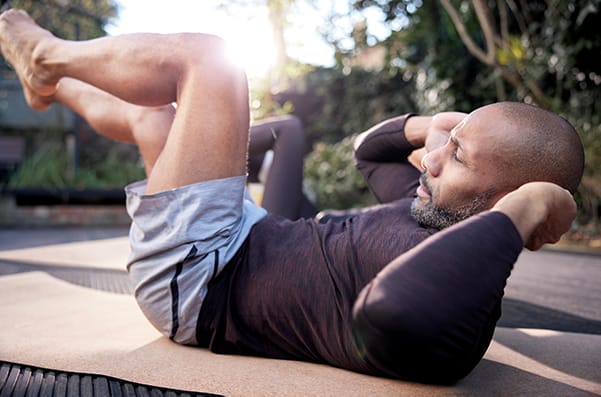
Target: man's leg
209	135
147	127
180	238
283	193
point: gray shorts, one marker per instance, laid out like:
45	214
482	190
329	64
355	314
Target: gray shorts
180	240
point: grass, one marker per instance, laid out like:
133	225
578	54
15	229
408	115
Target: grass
50	166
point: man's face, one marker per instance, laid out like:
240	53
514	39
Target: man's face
462	178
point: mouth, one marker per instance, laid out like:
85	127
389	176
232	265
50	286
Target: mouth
422	190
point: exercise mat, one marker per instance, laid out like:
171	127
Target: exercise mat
75	325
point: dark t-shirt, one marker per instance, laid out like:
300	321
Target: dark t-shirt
290	290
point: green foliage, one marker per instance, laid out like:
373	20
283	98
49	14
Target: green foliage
552	51
356	101
331	174
552	46
50	166
563	58
70	19
429	52
262	104
334	107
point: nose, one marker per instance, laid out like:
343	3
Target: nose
431	163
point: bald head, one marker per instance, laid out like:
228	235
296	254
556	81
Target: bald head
542	145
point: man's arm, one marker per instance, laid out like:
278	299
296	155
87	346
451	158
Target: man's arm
388	155
541	212
430	133
381	155
430	314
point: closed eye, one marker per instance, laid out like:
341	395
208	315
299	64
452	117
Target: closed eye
455	156
453	141
457	146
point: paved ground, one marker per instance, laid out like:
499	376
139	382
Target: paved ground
554	290
15	238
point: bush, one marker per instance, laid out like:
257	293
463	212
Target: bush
330	173
50	166
333	107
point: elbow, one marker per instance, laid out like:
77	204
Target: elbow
359	140
413	344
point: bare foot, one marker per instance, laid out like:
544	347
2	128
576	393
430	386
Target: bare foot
22	43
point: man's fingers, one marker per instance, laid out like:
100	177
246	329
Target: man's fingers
448	120
559	220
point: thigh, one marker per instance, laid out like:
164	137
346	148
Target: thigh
209	135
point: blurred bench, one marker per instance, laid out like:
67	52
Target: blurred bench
12	151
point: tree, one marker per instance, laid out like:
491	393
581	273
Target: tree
548	52
424	47
50	160
529	45
69	19
277	11
468	53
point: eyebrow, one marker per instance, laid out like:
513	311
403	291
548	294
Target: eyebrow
465	156
454	140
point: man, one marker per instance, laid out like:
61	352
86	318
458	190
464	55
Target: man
381	293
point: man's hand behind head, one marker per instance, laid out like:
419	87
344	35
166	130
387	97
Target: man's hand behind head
541	211
440	128
432	132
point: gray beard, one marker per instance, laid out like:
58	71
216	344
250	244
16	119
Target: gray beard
429	215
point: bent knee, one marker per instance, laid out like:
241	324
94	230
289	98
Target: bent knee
293	131
210	54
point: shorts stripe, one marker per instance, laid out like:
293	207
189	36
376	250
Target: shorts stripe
175	293
192	222
215	265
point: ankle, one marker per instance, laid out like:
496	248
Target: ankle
44	67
